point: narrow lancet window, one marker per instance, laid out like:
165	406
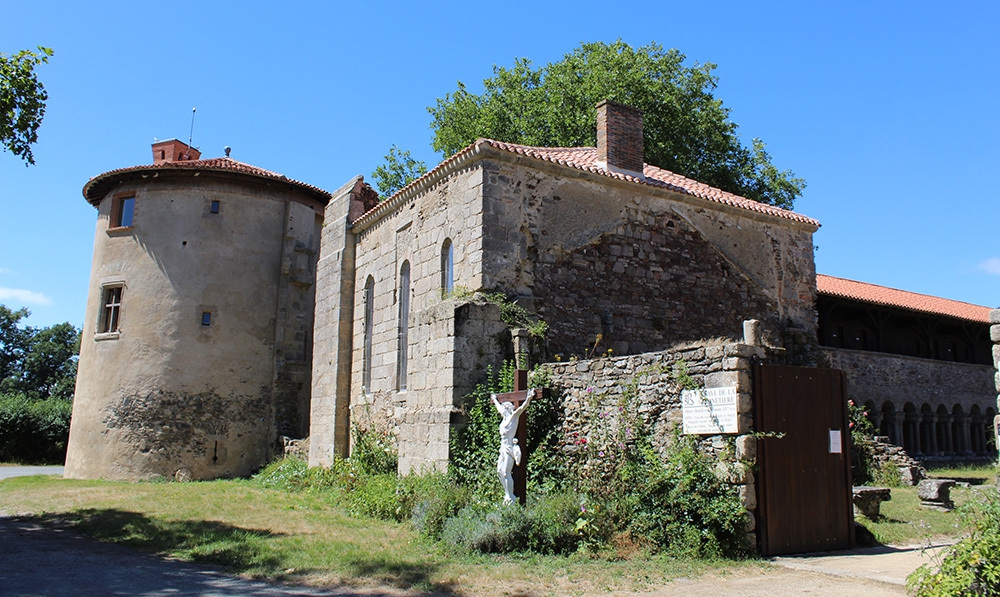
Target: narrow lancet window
369	307
404	326
447	268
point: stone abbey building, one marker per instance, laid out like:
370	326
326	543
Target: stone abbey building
234	305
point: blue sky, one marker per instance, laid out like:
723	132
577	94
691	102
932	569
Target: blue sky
888	110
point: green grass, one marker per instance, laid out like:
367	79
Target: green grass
302	537
905	522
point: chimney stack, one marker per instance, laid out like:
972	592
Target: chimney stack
173	150
619	138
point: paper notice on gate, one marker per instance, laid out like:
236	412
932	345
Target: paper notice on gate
836	442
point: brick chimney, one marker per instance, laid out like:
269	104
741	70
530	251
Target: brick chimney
173	150
619	138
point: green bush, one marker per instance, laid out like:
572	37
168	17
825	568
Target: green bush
971	566
431	499
547	525
34	431
683	507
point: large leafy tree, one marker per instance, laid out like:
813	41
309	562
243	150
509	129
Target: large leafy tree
39	363
22	101
687	129
399	170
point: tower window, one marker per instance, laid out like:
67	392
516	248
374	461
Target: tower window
214	207
111	310
122	212
206	318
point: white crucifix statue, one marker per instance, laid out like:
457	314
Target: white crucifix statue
513	431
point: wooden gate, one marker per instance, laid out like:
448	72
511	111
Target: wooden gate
804	482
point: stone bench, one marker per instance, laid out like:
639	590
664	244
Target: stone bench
936	493
868	500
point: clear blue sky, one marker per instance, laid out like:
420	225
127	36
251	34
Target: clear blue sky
888	110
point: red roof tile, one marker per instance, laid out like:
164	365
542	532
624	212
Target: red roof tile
890	297
585	159
98	186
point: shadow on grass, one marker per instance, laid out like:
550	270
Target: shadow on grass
402	575
208	542
237	550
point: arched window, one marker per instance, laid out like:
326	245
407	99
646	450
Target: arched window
404	326
369	305
447	267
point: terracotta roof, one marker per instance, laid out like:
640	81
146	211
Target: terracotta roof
585	159
890	297
98	186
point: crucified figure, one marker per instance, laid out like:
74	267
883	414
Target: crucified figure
510	452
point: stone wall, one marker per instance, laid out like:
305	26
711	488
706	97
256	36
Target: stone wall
592	396
880	377
645	269
935	409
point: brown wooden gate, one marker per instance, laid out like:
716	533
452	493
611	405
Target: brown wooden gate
804	484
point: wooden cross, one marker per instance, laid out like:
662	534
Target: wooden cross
518	396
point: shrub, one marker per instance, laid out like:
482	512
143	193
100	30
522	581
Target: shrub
546	525
971	566
34	431
431	499
683	507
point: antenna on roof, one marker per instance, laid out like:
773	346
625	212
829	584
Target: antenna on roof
191	136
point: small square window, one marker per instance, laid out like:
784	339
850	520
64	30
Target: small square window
111	310
206	318
215	207
122	212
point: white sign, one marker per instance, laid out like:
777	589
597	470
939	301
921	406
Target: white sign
836	442
709	411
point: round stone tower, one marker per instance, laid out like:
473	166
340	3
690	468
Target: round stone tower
196	348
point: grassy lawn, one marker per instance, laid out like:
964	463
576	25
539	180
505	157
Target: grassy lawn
905	522
301	537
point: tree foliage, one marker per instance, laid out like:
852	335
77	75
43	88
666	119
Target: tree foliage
687	129
22	101
39	363
398	171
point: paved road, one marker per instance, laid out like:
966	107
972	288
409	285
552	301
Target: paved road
7	472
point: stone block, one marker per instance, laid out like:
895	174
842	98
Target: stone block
748	495
744	403
868	500
736	364
910	475
936	493
995	333
746	448
995	316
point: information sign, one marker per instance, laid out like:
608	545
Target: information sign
709	411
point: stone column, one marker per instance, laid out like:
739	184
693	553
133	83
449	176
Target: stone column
948	448
896	428
995	336
912	422
932	448
964	439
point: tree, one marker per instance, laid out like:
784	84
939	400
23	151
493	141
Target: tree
22	101
38	363
398	171
687	129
